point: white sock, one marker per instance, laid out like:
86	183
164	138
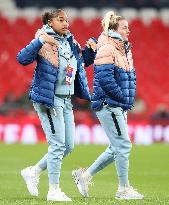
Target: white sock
87	174
36	169
122	187
53	187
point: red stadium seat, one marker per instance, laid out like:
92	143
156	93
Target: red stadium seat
150	52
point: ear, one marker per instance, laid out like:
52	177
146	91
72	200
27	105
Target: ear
50	23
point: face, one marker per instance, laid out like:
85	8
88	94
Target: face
123	29
60	23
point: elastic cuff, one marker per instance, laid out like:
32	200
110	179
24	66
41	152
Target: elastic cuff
42	40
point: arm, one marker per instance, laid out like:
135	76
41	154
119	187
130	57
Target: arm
89	52
108	83
28	54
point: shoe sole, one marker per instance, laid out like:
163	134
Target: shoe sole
50	200
118	198
74	176
24	178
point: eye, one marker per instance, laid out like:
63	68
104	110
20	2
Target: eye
125	28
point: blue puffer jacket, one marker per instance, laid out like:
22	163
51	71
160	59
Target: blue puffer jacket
46	74
114	85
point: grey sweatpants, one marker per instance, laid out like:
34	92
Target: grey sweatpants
114	122
59	131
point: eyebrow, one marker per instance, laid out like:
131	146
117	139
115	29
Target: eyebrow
60	17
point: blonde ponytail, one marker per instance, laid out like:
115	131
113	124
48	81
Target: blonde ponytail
110	21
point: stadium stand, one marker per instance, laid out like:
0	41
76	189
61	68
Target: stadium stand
94	3
149	36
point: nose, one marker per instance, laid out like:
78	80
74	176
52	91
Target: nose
128	31
65	23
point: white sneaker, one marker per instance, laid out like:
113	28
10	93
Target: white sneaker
128	192
31	179
57	195
82	180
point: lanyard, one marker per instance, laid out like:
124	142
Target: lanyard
69	70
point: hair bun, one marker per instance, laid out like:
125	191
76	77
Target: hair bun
110	21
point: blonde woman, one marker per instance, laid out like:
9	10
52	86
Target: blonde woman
113	94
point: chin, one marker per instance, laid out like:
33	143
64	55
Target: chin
64	33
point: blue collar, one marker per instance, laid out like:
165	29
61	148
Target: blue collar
114	34
51	32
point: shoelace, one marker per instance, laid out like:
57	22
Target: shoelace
35	180
132	190
88	180
89	183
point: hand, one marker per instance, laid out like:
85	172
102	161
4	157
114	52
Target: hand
91	43
48	39
74	41
39	32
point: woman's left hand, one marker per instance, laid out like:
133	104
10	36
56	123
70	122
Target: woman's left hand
47	38
92	43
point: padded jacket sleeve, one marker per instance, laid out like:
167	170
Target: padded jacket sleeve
28	54
89	54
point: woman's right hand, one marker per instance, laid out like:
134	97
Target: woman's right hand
47	38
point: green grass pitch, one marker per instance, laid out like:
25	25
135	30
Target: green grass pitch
149	173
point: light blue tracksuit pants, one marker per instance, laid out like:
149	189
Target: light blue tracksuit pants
59	131
114	122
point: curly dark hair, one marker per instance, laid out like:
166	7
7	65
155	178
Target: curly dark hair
49	15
